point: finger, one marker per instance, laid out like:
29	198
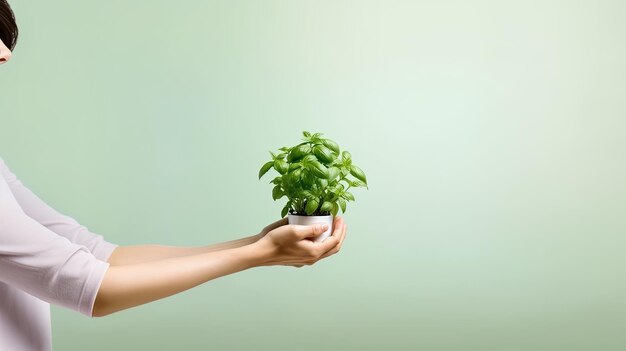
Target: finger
311	230
330	242
338	227
335	248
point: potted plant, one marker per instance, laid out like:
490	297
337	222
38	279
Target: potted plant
313	176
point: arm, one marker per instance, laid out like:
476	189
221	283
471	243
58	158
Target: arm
136	284
123	255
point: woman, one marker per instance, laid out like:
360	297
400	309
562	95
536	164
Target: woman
47	257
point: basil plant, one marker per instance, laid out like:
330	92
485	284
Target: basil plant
314	177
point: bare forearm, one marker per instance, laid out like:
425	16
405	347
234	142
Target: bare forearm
136	284
123	255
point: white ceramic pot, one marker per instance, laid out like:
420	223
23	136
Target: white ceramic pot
308	220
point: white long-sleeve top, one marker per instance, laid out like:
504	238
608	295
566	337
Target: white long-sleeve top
45	257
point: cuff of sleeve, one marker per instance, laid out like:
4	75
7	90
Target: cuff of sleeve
104	250
92	285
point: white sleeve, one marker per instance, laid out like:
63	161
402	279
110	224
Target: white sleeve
57	222
46	265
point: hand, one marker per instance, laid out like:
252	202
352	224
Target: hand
270	227
292	244
267	229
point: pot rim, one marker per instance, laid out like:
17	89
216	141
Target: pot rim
303	215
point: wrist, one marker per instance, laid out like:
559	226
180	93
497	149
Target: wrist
254	238
256	254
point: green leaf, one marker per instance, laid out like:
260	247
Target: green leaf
326	206
331	196
307	180
323	153
331	145
335	209
308	194
281	166
311	206
306	134
295	175
358	184
308	159
294	165
298	152
277	193
322	182
345	156
333	172
285	210
316	141
319	170
358	173
348	196
277	180
266	167
342	203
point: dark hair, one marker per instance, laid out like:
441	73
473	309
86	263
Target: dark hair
8	27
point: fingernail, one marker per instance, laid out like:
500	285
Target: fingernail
324	226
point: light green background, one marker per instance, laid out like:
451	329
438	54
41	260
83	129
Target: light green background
492	134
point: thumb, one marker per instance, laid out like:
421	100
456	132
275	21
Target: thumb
311	230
